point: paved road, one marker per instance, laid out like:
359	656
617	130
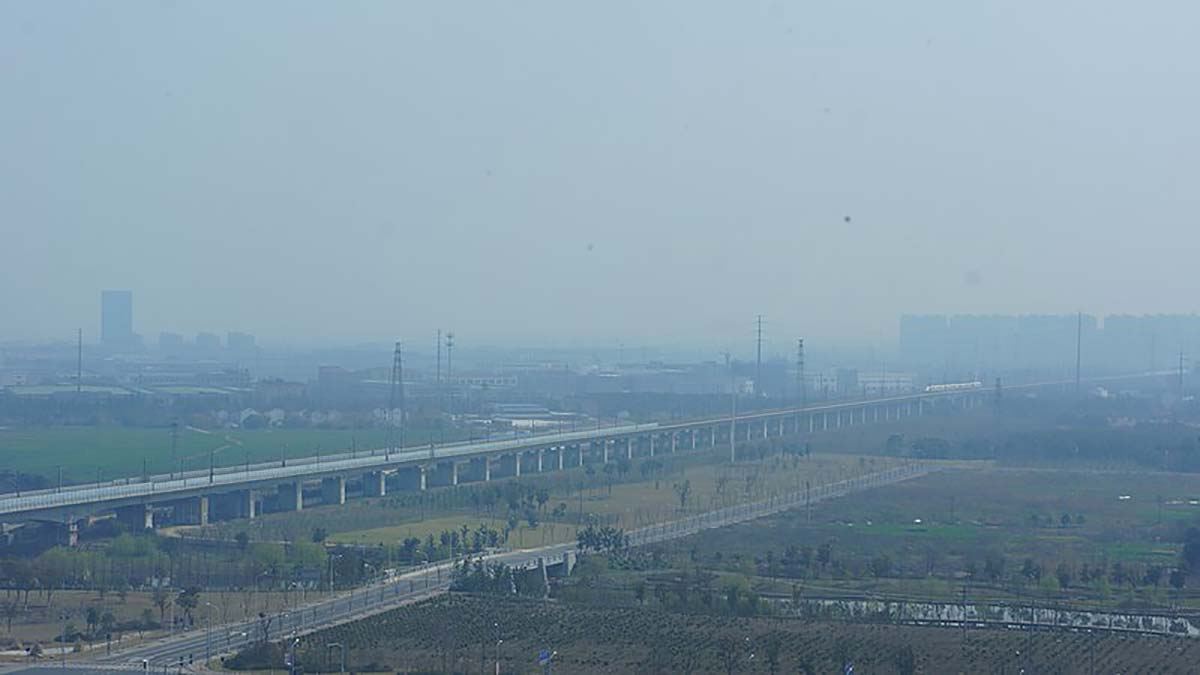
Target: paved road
196	644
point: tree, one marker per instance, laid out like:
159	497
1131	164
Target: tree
651	467
319	535
881	565
624	467
146	622
107	623
639	592
11	610
610	471
243	540
161	600
91	617
772	646
1177	579
1190	556
187	600
729	652
905	661
683	491
1063	572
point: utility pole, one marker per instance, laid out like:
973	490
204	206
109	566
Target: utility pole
396	399
1078	352
174	447
1180	375
79	363
758	359
800	372
732	410
439	358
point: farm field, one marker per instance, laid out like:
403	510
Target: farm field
459	633
42	621
633	501
118	452
1004	533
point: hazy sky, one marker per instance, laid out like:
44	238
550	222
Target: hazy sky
651	172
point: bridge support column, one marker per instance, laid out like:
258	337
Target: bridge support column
674	442
811	423
191	511
232	505
333	490
693	432
629	448
411	478
374	484
824	421
442	474
920	407
651	445
291	496
606	446
479	469
136	516
714	436
70	532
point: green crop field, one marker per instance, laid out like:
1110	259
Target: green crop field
118	452
981	525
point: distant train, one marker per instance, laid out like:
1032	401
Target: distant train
955	386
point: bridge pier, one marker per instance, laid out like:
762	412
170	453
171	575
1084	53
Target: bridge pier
479	470
136	516
629	448
411	478
374	484
191	511
333	490
233	505
507	466
651	445
442	474
69	534
291	496
526	462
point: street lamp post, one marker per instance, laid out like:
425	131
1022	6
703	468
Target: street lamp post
208	634
499	642
341	654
